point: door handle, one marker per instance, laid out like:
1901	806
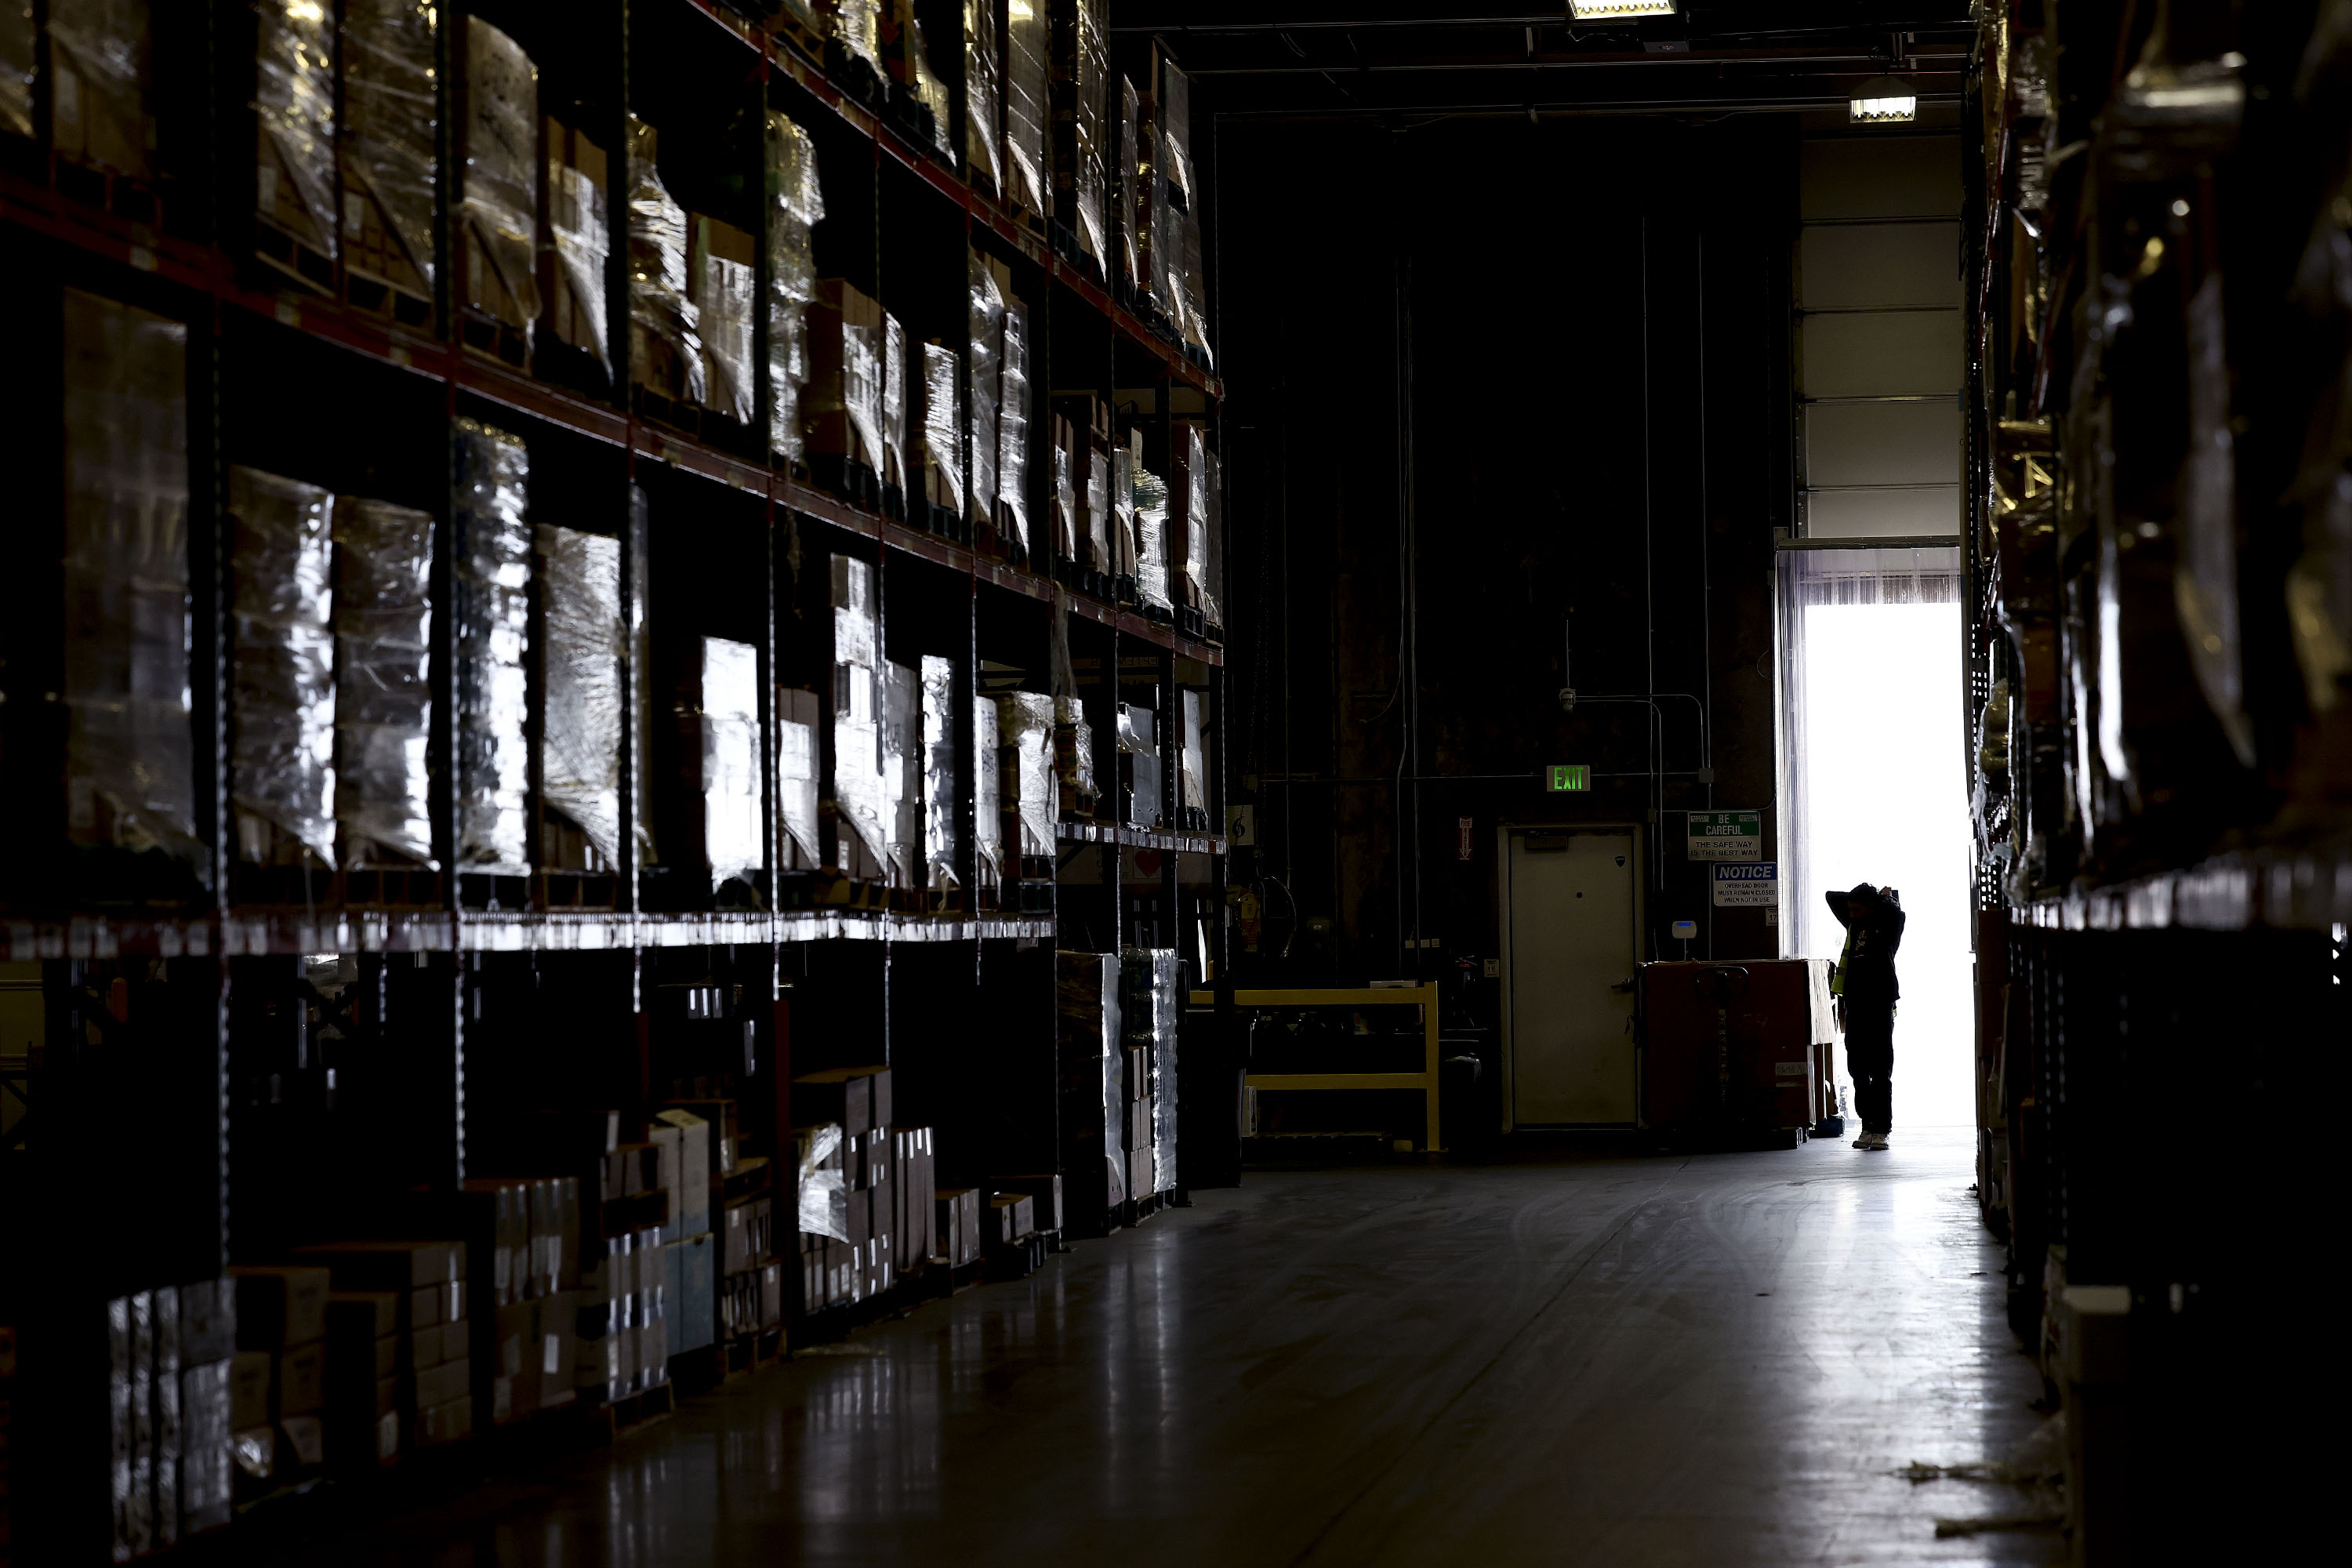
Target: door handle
1624	984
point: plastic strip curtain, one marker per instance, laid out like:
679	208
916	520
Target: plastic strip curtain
795	202
129	751
500	207
389	130
383	681
584	725
492	614
282	750
294	106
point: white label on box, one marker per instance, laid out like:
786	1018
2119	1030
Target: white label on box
552	1355
1788	1069
265	191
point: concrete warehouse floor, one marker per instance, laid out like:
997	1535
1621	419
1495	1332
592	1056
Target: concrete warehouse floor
1713	1360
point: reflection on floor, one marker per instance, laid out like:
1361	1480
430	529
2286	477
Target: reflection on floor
1716	1360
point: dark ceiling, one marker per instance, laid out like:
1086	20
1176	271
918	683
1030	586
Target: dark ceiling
1394	58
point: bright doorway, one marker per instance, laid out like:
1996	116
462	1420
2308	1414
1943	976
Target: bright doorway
1876	791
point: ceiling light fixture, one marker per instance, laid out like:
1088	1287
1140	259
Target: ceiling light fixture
1606	10
1884	100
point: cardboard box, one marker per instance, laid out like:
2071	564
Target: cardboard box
440	1385
956	1218
857	1099
248	1389
1142	1169
1045	1191
279	1305
698	1169
300	1380
1010	1216
449	1422
207	1322
425	1306
301	1445
362	1315
692	1306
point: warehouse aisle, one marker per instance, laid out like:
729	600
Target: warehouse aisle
1717	1360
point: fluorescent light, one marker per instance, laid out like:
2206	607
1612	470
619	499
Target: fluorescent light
1884	100
1602	10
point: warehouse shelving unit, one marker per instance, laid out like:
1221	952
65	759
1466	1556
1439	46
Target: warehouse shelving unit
498	988
2155	235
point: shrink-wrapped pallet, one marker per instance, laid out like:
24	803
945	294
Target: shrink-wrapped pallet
895	400
988	823
902	771
294	123
1127	189
1150	535
797	779
855	27
1081	123
985	315
863	848
282	710
729	722
1013	428
795	202
491	585
844	419
1091	1042
940	454
726	288
665	353
101	85
1027	789
498	210
1123	541
130	761
983	96
388	132
942	852
580	233
584	726
384	682
1098	556
1028	177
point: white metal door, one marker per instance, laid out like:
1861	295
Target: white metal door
1574	950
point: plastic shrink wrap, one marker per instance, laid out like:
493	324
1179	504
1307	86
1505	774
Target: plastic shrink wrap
795	202
1013	428
983	95
1194	780
824	1197
902	771
1139	766
1025	782
930	89
941	852
130	758
844	396
1123	537
894	405
988	822
294	115
491	584
19	41
1086	997
583	727
726	293
1212	587
731	801
1066	521
941	455
857	798
1074	758
796	780
1151	536
499	214
640	674
1098	556
1127	190
985	315
1167	994
101	84
1029	184
282	747
384	682
665	327
1081	123
856	26
580	235
389	132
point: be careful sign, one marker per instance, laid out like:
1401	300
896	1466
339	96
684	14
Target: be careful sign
1727	836
1746	886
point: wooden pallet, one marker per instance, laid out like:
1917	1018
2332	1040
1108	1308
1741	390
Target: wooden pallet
379	298
482	891
848	478
831	889
293	259
494	339
128	198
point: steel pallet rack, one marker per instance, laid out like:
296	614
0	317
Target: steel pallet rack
176	1018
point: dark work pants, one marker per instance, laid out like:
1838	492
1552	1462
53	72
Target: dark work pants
1870	1059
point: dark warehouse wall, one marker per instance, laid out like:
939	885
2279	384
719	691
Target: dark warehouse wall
1548	284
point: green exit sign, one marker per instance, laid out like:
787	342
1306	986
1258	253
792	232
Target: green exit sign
1562	777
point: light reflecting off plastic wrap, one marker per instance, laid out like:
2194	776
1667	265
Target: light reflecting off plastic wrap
931	89
857	712
902	771
1192	281
985	318
943	424
130	758
1025	730
294	108
1167	991
101	68
988	845
664	331
282	750
2205	574
725	298
641	705
940	850
1066	504
1123	542
795	202
1013	425
1127	187
1073	747
584	723
857	27
731	801
1151	538
1088	132
18	40
1192	469
797	785
1097	503
824	1200
581	227
384	680
982	93
1175	116
1088	998
492	615
894	402
1193	782
1028	176
500	207
389	130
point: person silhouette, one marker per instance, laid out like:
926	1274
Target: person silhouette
1865	985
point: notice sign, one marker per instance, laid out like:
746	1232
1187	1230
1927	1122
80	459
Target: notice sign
1726	835
1746	886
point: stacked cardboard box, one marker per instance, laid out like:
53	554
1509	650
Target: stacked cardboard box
1139	766
366	1362
624	1292
1148	1002
751	1286
279	1383
955	1218
843	1257
1028	793
841	418
1192	777
432	1330
689	1252
1092	1086
521	1240
169	1385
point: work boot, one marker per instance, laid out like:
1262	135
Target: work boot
1861	1141
1877	1141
